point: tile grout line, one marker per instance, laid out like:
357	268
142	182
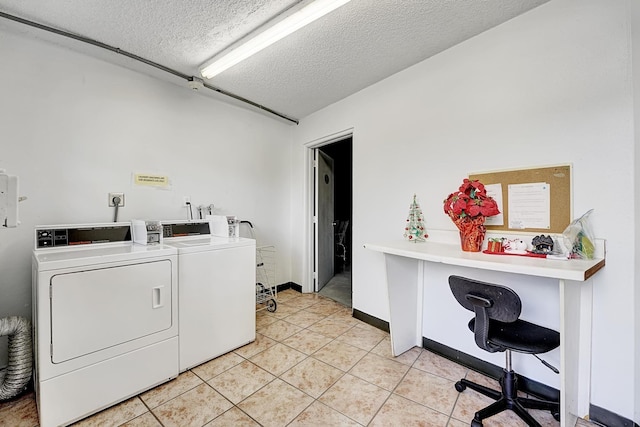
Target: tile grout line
344	373
352	325
391	392
307	356
311	356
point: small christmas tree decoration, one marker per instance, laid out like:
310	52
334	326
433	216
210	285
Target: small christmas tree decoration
414	229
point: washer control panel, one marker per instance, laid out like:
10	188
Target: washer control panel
182	229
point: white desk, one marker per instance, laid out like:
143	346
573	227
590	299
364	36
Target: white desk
405	286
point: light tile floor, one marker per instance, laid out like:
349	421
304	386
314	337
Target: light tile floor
312	364
339	287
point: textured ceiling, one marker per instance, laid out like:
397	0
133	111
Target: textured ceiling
355	46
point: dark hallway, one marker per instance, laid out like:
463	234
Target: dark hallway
339	287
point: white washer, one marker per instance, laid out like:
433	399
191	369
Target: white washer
217	291
105	313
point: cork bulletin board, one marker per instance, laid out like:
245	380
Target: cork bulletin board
558	179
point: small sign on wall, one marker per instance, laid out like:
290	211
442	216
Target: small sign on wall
151	180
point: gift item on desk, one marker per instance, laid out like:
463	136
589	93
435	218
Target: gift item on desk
579	237
515	246
545	245
542	244
495	244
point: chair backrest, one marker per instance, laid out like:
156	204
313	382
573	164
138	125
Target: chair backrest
341	230
488	302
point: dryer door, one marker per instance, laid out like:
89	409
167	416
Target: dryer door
96	309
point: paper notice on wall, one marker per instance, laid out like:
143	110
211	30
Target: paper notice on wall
495	191
149	180
529	205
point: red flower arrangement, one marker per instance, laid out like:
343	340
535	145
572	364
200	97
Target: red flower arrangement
468	209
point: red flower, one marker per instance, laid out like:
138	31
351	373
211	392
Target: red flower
471	201
489	207
460	203
473	207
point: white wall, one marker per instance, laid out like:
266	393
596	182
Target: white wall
551	86
74	128
634	13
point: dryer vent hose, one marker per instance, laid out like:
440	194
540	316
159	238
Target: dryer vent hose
18	373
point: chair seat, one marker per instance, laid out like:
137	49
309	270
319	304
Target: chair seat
521	336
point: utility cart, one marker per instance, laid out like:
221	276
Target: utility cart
266	289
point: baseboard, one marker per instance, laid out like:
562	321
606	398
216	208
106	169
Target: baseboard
366	318
608	418
596	414
371	320
542	391
525	384
530	386
289	285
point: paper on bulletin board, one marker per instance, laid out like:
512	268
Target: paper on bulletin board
495	191
529	205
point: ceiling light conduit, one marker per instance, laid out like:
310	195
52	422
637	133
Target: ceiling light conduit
194	83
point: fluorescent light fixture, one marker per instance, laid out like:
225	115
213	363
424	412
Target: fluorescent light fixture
292	23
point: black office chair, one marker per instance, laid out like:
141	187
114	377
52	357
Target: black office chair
497	328
340	234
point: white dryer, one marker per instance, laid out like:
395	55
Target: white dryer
217	291
105	315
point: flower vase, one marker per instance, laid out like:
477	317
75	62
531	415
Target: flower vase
471	242
472	232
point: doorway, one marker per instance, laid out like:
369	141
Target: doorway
334	222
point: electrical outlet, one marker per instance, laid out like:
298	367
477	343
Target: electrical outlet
186	201
112	196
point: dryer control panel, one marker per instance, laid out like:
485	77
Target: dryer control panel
63	236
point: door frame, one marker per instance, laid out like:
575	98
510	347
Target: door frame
309	211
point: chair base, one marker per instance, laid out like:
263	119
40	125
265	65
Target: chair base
508	399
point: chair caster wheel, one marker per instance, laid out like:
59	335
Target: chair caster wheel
460	387
556	415
475	423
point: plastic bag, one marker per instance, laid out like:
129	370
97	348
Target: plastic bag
579	237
